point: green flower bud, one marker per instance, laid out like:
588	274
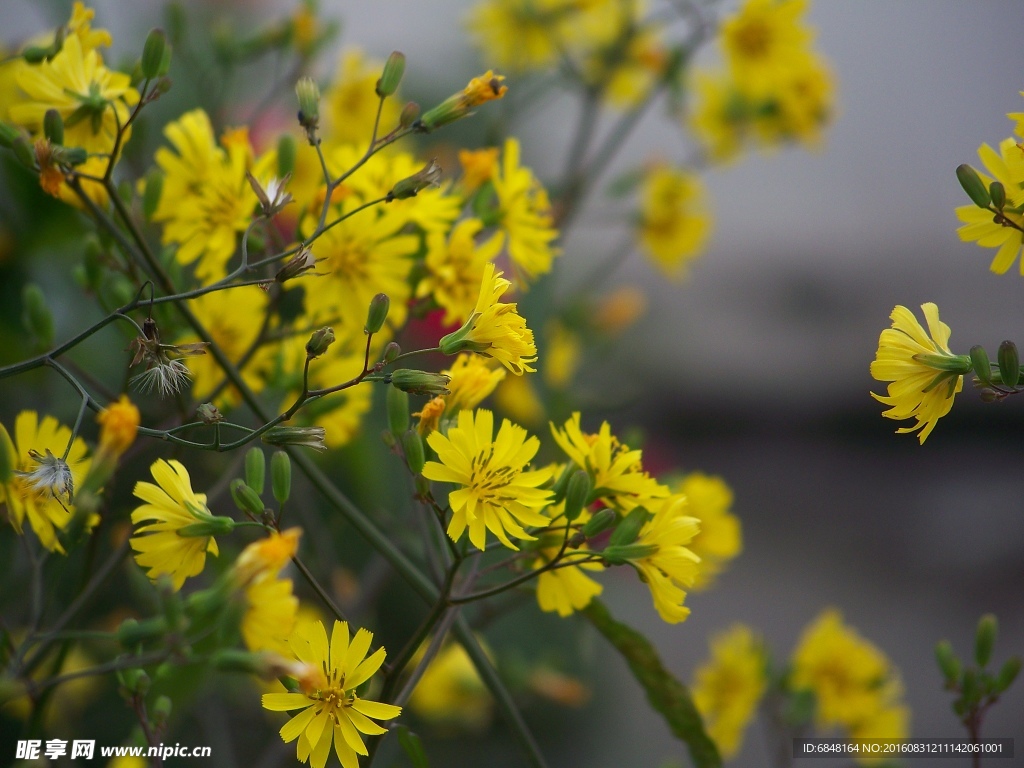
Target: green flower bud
562	483
1007	674
981	364
948	662
246	499
427	176
214	526
208	413
388	438
969	686
37	317
255	469
391	351
151	194
398	411
985	639
308	94
281	476
627	531
620	554
578	489
53	126
377	313
1009	363
412	445
36	54
69	155
409	114
319	342
132	632
998	193
153	54
308	437
420	382
160	712
286	150
599	522
394	68
973	185
8	133
135	682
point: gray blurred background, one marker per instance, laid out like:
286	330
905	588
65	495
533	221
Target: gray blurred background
756	366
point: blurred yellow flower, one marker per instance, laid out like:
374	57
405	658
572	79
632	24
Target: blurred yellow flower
270	614
450	693
42	485
351	102
496	492
988	231
728	687
119	424
763	39
567	588
472	380
924	374
674	220
478	167
562	358
720	539
455	266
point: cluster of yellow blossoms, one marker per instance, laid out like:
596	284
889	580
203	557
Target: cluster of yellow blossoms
854	687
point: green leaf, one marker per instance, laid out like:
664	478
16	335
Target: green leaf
666	694
413	747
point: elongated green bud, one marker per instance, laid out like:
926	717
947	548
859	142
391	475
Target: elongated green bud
599	522
619	554
1007	674
998	193
391	351
428	176
35	54
377	313
286	150
576	493
985	639
160	712
37	316
308	94
234	660
981	364
1009	363
420	382
53	126
132	632
153	54
308	437
281	476
255	470
398	411
394	68
947	661
319	342
627	531
412	446
246	499
214	526
973	186
151	195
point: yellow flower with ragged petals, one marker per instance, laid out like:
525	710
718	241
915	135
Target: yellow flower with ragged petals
924	374
42	485
92	99
764	40
852	680
495	329
455	267
206	200
270	615
496	492
171	506
524	214
720	539
800	105
332	711
663	558
728	687
472	380
616	470
674	220
980	225
119	424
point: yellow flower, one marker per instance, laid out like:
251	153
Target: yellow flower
674	220
516	34
562	359
800	104
206	199
728	687
979	224
721	115
351	102
616	470
924	374
720	538
92	99
234	320
267	556
455	267
430	415
763	39
567	588
119	424
450	693
497	492
524	214
270	614
478	167
164	545
472	380
486	87
852	680
42	476
332	711
494	329
80	25
661	556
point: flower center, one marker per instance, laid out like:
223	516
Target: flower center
754	39
490	482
